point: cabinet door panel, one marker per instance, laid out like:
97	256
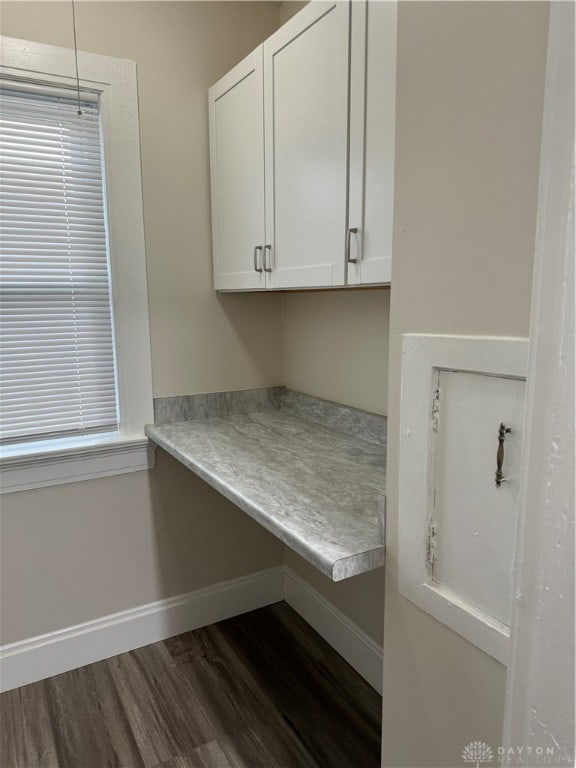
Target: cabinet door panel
306	108
372	122
237	176
476	520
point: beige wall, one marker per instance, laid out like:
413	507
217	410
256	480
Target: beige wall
335	345
360	598
466	163
469	113
77	552
289	7
201	341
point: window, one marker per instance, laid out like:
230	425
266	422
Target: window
57	370
75	352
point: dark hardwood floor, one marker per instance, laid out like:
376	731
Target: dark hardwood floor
262	690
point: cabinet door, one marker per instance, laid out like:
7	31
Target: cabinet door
372	121
236	111
475	518
306	127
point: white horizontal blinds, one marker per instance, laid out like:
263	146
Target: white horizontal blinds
57	372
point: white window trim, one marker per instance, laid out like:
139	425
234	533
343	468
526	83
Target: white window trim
56	462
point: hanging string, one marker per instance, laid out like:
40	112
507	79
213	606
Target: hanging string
76	56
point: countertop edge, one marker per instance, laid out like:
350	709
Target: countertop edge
334	567
251	509
363	562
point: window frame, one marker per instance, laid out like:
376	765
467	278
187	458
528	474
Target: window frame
50	462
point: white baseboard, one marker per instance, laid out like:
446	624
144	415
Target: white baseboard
40	657
37	658
354	645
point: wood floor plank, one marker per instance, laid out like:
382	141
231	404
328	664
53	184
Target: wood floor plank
262	690
211	756
183	761
42	746
165	720
207	756
344	709
76	717
251	732
28	737
12	730
178	704
117	723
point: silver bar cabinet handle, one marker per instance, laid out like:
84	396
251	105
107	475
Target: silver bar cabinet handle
350	231
256	267
267	249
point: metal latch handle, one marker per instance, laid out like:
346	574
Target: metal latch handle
500	476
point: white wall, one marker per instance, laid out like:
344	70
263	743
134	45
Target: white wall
540	687
469	112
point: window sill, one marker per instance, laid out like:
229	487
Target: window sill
45	466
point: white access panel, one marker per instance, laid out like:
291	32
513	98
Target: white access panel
306	141
236	110
457	526
476	519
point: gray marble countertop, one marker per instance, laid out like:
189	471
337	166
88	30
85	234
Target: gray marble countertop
318	489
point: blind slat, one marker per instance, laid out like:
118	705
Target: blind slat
57	369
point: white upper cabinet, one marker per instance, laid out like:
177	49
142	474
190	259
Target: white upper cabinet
306	140
372	122
236	110
302	153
